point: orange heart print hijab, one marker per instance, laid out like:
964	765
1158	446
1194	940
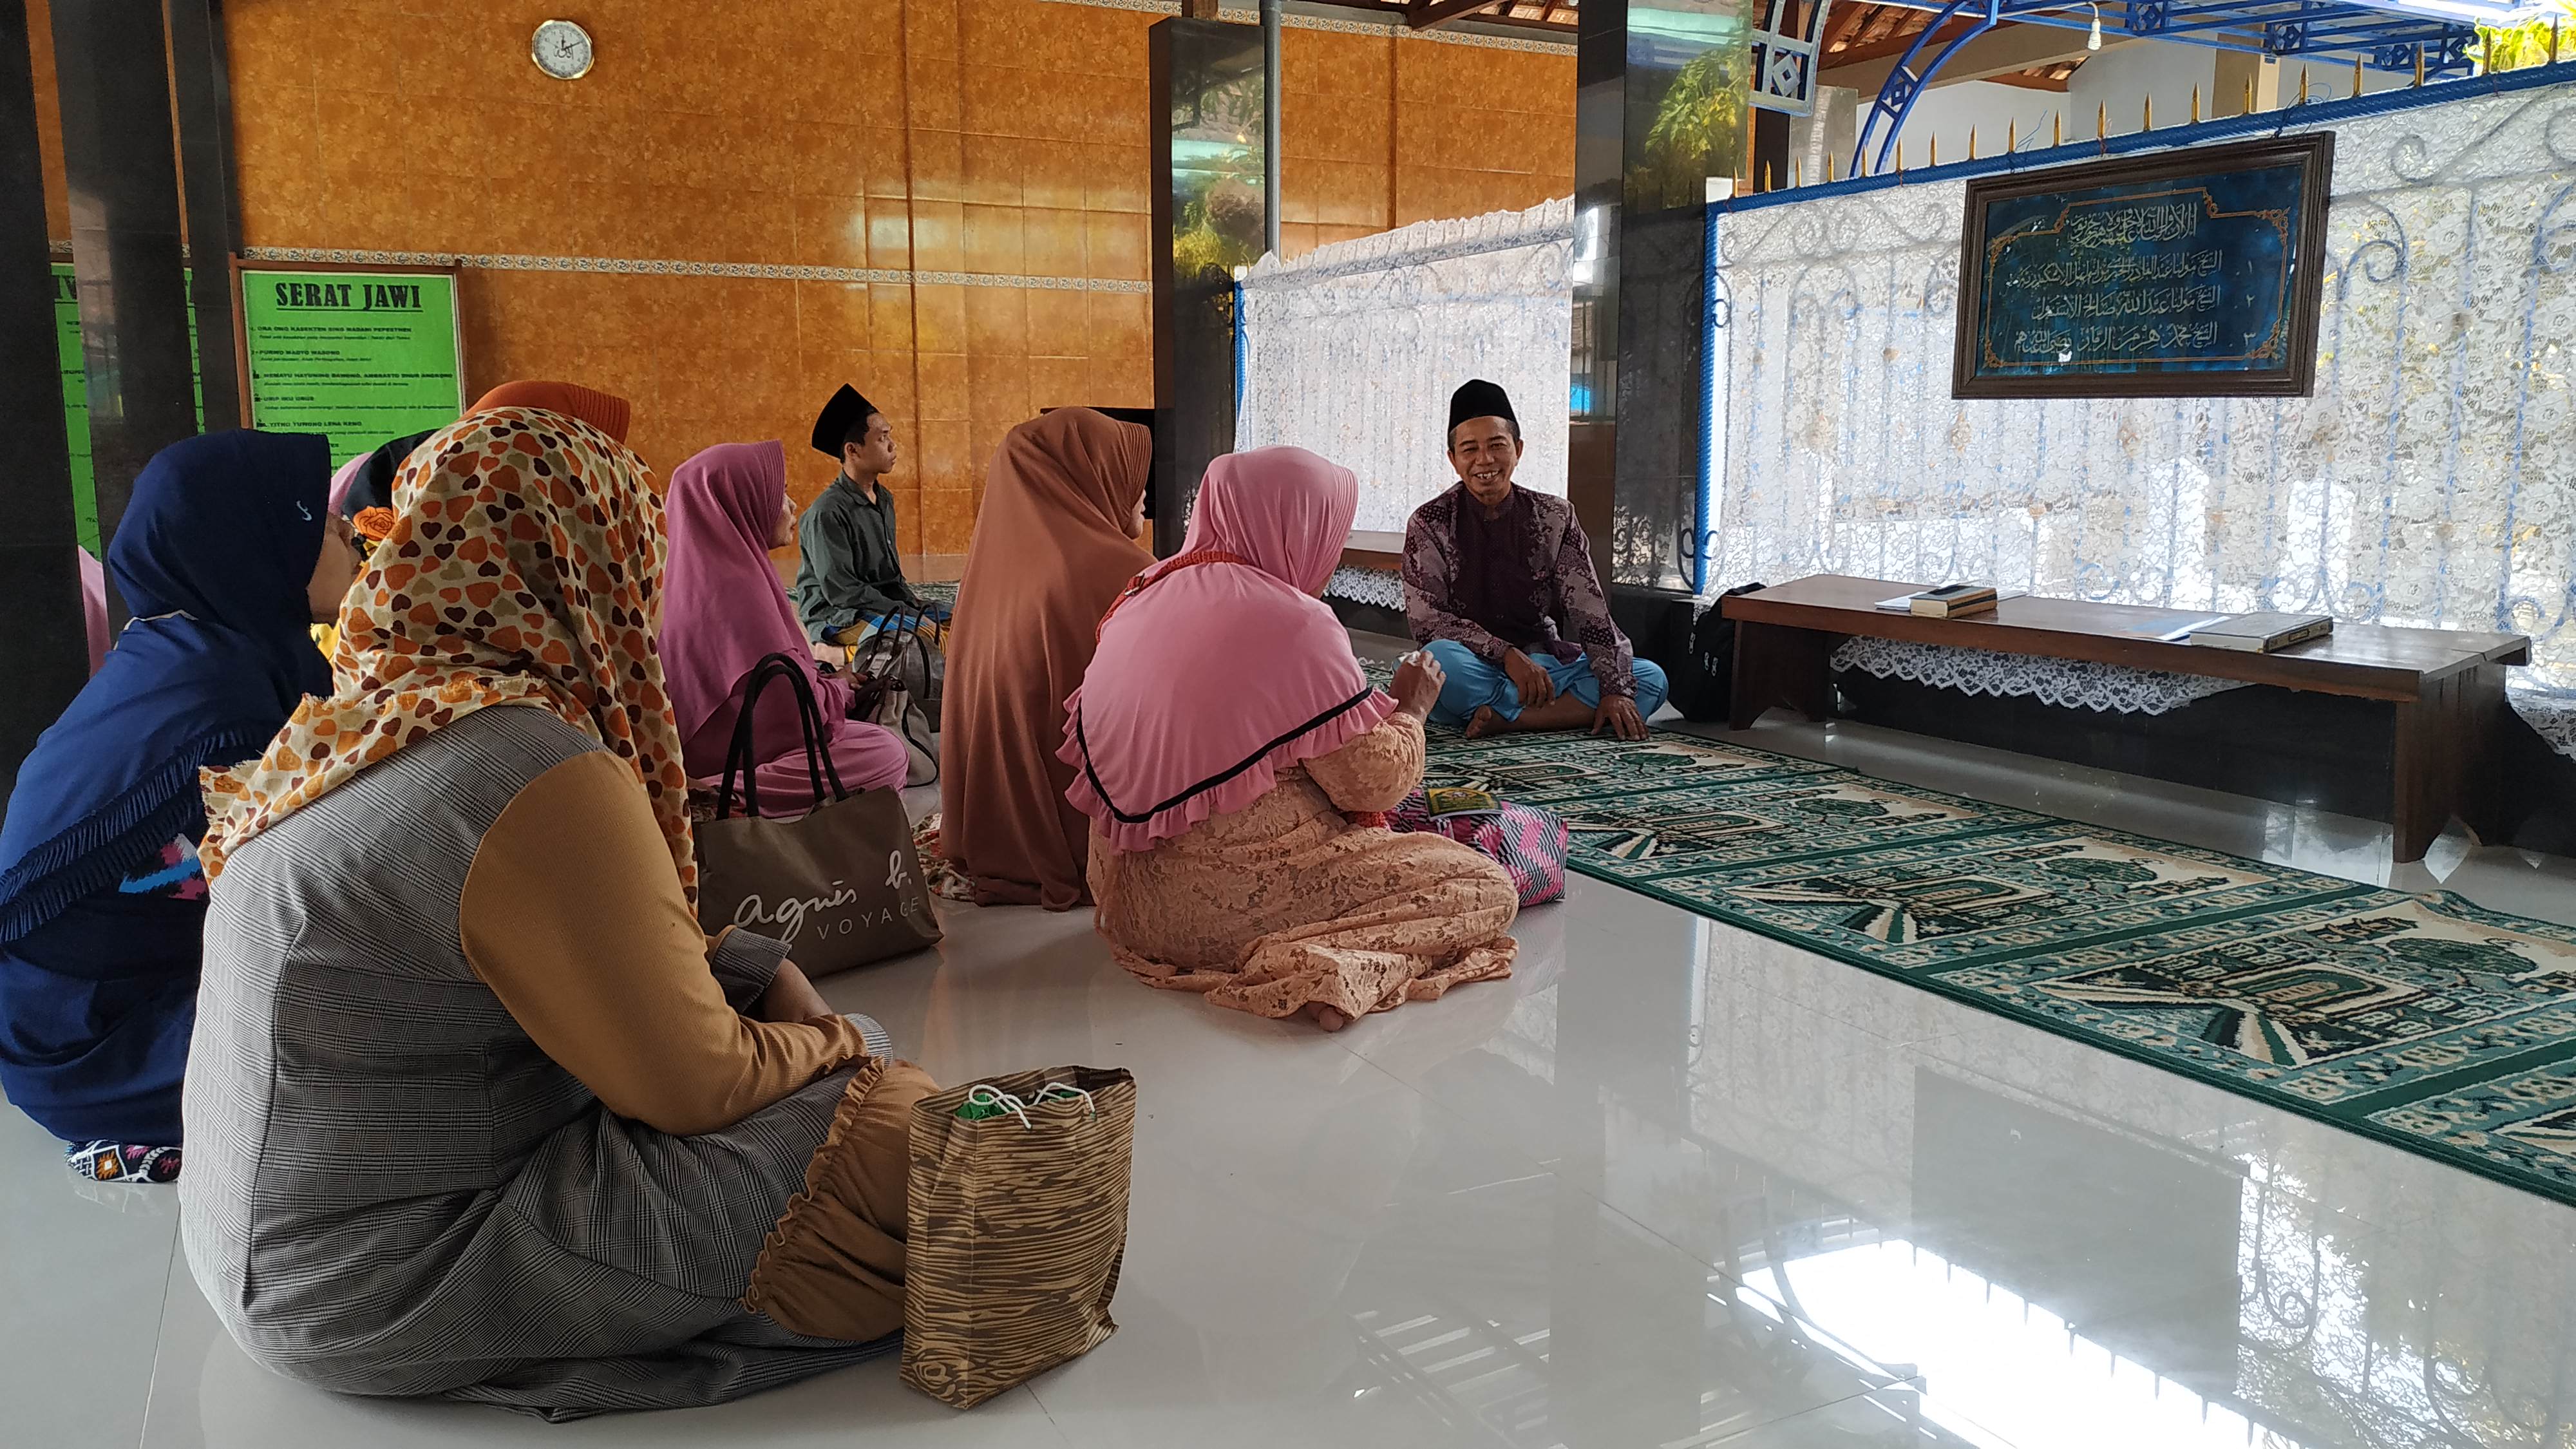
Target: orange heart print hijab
524	567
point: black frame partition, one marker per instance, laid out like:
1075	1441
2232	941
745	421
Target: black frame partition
1662	106
1211	209
45	650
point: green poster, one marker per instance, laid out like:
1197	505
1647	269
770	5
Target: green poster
67	335
356	356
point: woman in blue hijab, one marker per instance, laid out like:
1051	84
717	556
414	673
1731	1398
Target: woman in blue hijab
227	556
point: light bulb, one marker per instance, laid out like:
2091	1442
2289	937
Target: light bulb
2094	40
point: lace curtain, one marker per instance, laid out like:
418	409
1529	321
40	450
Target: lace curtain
1353	349
2431	479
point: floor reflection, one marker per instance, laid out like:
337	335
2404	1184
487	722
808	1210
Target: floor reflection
2063	1248
1670	1186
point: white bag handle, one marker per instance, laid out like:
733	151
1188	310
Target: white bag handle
984	1094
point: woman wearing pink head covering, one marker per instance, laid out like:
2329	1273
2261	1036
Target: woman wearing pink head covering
1233	760
94	608
724	611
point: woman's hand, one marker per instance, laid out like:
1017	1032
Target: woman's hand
1418	682
791	997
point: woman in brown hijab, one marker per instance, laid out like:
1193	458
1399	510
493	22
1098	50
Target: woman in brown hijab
602	410
1054	544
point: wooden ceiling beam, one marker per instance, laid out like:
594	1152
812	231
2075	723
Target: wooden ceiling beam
2032	80
1432	14
1909	26
1838	31
1886	22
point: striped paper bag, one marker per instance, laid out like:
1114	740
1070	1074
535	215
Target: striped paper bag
1017	1222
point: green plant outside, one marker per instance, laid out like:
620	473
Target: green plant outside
1697	132
2520	47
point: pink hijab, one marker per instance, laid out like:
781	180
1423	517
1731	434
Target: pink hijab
94	608
723	608
347	475
1211	677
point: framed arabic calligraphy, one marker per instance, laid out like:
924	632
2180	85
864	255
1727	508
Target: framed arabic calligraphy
2191	273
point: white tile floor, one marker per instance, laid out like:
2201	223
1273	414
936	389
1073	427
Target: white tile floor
1672	1185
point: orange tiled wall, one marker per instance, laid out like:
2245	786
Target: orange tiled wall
1384	131
991	138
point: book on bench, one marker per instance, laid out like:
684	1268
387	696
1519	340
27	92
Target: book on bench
2261	633
1951	600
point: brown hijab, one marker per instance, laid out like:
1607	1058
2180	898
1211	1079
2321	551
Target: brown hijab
1051	551
602	410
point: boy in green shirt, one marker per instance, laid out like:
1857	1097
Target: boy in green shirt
851	577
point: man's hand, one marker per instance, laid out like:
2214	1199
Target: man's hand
1619	715
1536	688
1418	682
791	997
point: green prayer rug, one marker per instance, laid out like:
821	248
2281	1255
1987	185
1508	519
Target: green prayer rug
2420	1020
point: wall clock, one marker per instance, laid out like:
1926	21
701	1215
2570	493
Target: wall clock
561	49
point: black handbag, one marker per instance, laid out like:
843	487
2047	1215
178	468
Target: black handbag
1703	675
894	680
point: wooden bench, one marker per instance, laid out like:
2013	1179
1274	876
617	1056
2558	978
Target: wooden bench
1369	548
2446	686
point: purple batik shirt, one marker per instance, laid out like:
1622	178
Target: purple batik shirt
1568	592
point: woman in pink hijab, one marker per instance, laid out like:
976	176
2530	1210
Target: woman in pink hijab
94	608
724	610
1235	763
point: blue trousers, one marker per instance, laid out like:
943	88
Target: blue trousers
868	625
1474	684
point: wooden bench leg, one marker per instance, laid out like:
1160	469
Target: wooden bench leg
1779	665
2446	762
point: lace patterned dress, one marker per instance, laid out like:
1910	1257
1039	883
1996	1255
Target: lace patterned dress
1287	903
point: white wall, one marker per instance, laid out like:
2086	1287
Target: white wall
2330	80
1947	113
2113	85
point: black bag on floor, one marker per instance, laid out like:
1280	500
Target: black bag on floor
1703	674
895	675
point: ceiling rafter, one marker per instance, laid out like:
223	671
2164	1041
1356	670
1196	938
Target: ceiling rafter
2037	78
1545	17
1839	29
1429	14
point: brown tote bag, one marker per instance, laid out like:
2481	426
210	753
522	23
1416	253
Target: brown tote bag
1017	1225
841	884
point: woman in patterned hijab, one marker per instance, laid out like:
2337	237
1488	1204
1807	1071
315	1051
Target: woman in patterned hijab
483	1112
524	567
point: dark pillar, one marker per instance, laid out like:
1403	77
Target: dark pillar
44	653
1770	166
1210	214
115	87
199	77
1659	109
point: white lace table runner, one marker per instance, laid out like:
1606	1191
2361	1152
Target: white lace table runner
1367	586
2067	683
2553	715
